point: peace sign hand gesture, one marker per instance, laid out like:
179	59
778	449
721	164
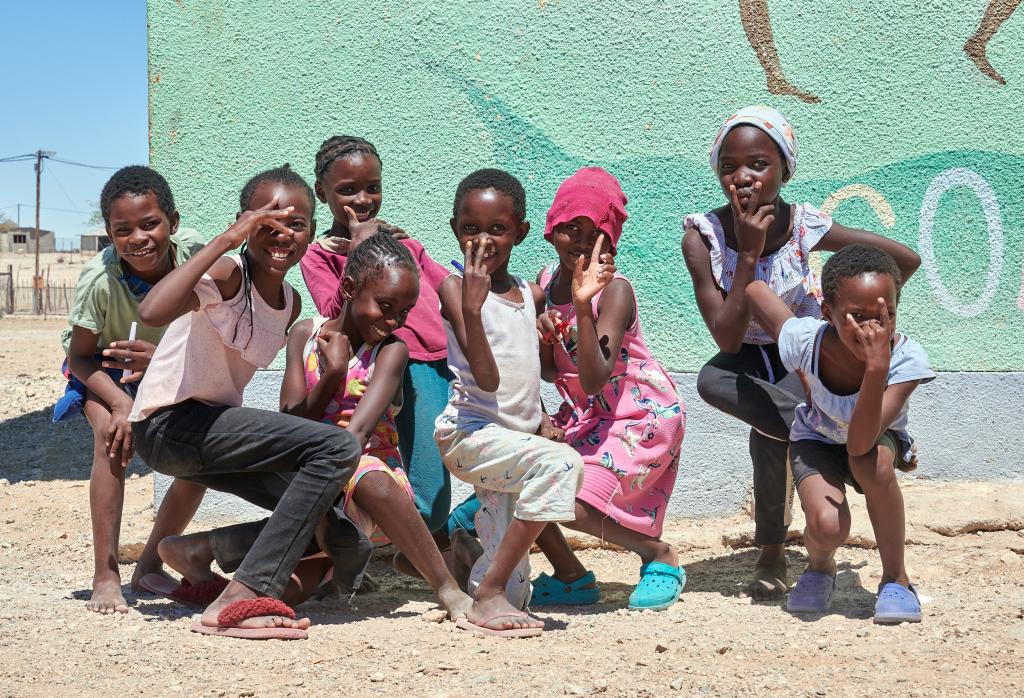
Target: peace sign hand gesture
752	221
588	283
248	222
476	282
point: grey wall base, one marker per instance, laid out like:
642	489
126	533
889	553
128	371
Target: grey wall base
968	426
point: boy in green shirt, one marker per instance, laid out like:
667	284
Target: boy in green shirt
104	365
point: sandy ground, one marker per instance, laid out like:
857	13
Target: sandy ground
966	552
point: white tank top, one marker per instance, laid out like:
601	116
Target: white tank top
511	330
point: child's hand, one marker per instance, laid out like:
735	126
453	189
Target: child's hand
335	351
133	355
250	221
874	339
119	434
587	284
549	431
396	232
476	282
752	222
550	327
359	231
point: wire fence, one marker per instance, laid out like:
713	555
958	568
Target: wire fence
55	298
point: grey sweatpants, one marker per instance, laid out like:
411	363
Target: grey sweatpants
753	386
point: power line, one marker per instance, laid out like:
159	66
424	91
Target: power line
60	186
19	158
82	164
48	208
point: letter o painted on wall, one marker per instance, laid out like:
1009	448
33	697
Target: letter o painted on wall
943	182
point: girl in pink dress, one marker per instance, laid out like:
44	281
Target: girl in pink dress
620	408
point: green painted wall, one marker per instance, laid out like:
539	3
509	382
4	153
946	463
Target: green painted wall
540	88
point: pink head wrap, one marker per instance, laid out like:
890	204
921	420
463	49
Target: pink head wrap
594	193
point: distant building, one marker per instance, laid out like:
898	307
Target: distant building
23	240
94	241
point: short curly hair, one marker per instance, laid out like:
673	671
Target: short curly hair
337	147
856	260
490	178
279	175
136	180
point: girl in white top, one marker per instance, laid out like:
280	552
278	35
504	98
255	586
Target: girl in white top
758	236
489	435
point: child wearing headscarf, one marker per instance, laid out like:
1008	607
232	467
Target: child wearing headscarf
759	236
620	410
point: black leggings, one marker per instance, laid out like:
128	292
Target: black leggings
753	386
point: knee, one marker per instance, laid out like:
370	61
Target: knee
375	489
826	528
709	382
340	449
874	470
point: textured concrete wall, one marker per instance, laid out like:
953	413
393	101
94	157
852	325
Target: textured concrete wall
907	136
902	129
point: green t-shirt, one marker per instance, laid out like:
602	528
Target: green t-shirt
105	307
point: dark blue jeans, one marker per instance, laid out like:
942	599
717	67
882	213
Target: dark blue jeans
244	451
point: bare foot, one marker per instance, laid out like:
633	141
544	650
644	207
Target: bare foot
466	551
190	556
768	584
106	594
496	613
975	50
456	602
781	86
664	553
236	591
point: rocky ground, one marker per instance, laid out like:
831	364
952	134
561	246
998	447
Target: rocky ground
966	552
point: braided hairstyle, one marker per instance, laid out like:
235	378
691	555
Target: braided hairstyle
490	178
378	252
136	180
856	260
337	147
279	175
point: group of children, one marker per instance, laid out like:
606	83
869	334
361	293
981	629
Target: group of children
411	371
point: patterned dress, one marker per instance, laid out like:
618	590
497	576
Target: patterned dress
381	451
630	434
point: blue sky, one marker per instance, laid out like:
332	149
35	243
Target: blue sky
74	81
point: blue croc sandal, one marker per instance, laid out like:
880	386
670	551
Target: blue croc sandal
659	587
812	594
548	591
897	604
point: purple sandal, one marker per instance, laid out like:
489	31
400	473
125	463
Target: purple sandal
812	594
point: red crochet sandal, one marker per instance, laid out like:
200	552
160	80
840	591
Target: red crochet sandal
193	595
238	611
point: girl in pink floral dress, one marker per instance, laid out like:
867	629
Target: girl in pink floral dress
620	408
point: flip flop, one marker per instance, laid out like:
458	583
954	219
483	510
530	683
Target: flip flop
659	587
234	613
482	629
548	591
187	594
897	604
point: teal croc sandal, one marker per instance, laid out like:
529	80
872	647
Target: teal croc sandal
548	591
659	587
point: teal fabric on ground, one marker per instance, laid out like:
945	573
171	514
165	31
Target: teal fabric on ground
425	395
464	516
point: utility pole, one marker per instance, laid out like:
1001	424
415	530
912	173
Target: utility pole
37	280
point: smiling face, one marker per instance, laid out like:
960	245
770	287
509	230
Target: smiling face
141	233
575	238
383	303
749	155
858	296
353	181
270	249
489	215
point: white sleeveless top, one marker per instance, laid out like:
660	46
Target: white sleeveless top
511	330
211	354
786	271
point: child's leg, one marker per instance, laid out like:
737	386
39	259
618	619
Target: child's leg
176	511
745	385
590	520
567	567
875	474
490	607
387	503
106	500
425	395
827	514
